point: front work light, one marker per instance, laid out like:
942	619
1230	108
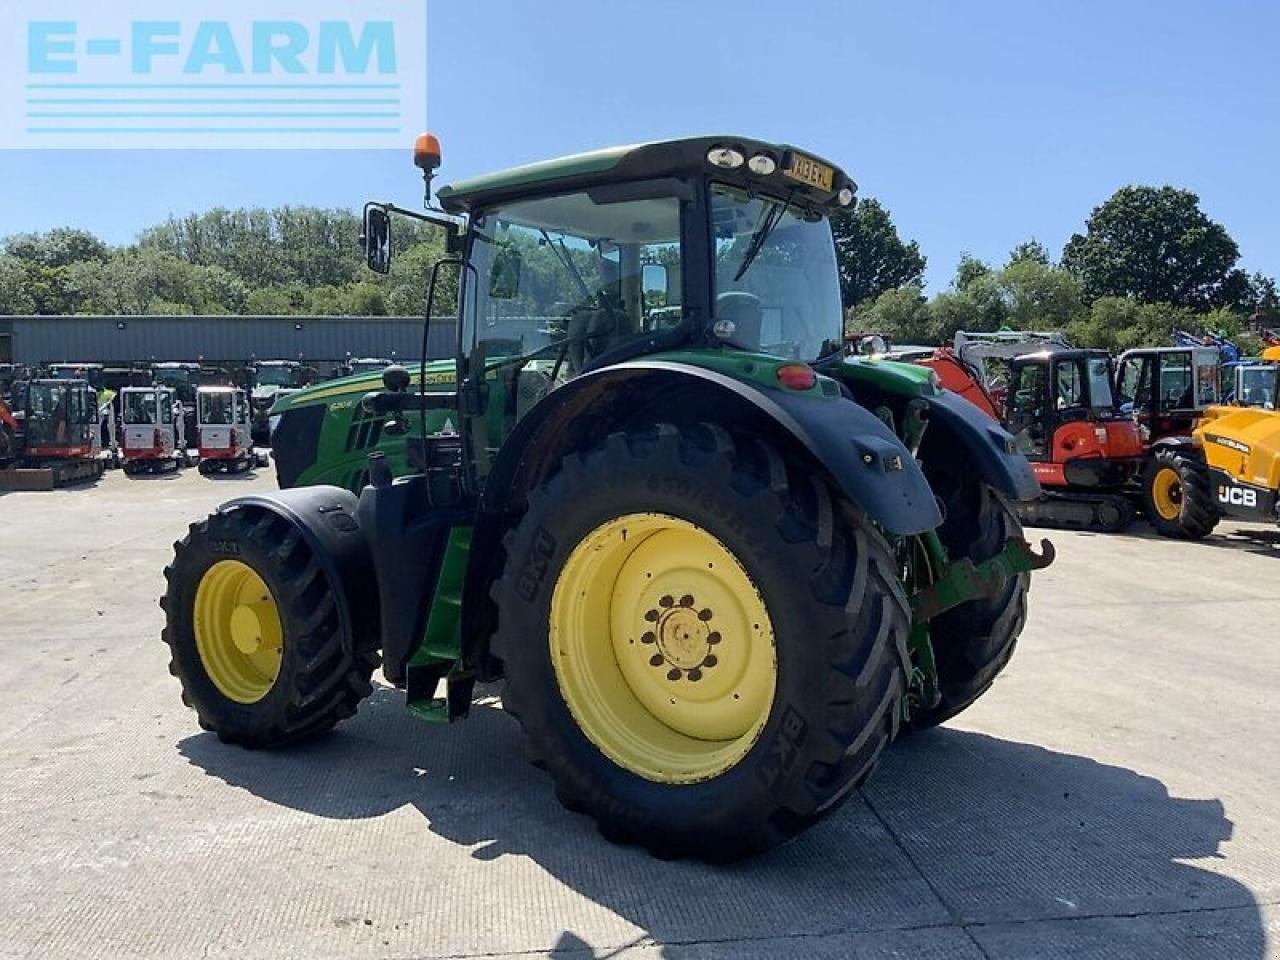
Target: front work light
762	164
727	158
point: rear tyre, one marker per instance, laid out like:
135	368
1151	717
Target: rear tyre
707	653
973	642
255	635
1177	495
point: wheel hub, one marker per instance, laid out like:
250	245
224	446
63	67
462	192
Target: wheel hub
238	632
663	648
247	625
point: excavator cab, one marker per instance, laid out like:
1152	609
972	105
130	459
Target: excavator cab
1049	389
1166	389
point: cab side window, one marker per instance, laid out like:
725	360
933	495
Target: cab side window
1069	385
1135	384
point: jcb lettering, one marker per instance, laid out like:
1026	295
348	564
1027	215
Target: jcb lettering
1238	496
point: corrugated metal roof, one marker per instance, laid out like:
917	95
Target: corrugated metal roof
223	339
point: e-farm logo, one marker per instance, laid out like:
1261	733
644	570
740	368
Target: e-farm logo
212	73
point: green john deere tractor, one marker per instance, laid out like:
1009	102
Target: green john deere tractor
719	566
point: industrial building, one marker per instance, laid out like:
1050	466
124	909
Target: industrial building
34	340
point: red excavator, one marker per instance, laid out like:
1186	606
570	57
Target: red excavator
1057	402
52	435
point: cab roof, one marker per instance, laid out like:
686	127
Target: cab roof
641	161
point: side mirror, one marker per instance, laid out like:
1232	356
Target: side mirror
504	278
376	239
654	279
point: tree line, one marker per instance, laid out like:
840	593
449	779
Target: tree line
1148	261
286	261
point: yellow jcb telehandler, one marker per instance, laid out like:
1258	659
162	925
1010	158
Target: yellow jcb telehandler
1241	445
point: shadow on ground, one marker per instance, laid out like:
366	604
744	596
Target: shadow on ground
958	833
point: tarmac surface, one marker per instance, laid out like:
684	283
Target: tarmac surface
1113	795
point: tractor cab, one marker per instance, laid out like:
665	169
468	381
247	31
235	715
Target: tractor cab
267	381
223	430
1166	389
153	435
182	378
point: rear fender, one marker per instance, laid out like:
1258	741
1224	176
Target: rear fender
859	454
841	440
325	518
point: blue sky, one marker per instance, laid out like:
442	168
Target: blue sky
978	124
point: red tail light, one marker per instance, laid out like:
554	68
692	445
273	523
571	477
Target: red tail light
797	376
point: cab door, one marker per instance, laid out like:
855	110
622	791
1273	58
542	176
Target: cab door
1026	407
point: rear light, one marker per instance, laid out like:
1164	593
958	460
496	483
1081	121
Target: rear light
797	376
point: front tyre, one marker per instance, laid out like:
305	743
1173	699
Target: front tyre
255	635
706	650
1177	496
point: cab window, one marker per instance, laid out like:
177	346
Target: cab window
1069	385
561	280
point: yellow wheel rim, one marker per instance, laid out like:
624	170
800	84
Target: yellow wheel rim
1166	493
238	633
663	648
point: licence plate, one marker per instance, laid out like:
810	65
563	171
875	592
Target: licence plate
809	171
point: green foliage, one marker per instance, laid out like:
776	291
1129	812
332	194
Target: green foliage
903	314
15	297
293	260
871	256
1156	245
967	271
1030	250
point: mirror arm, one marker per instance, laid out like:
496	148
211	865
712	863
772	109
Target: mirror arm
455	224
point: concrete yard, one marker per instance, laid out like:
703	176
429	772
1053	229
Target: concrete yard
1114	795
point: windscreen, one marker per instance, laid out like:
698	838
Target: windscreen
217	409
777	282
1258	387
139	408
278	377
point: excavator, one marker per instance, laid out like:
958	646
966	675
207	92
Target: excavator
1102	443
51	432
1058	403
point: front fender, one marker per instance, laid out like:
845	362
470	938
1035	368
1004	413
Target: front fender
989	446
862	456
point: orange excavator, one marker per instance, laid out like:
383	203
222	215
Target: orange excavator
1058	403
